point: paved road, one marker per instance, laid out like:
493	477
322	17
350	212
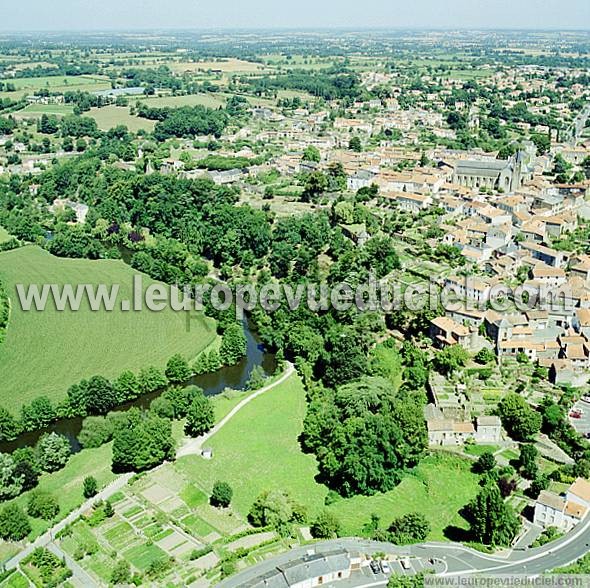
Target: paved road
191	446
457	560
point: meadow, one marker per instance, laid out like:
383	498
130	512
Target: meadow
111	116
258	450
37	110
45	352
55	84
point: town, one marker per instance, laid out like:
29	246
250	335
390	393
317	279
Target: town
296	448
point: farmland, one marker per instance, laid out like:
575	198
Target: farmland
46	352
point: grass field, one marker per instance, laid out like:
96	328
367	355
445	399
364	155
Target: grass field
110	116
209	100
267	456
45	352
55	84
36	110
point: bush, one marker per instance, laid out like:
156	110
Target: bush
90	487
14	524
42	505
325	526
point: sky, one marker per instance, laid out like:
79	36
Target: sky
77	15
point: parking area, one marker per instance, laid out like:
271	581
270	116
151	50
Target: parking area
582	423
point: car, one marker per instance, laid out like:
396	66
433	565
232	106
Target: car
375	567
406	563
576	414
586	398
385	567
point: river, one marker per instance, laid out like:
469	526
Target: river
234	377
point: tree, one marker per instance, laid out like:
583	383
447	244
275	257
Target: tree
485	356
355	144
325	526
200	416
485	463
540	483
38	414
273	509
518	418
221	494
315	184
42	505
493	522
312	153
14	524
450	359
109	511
528	461
141	441
152	379
9	426
100	395
11	482
233	344
121	573
396	581
53	451
177	369
127	387
410	528
90	487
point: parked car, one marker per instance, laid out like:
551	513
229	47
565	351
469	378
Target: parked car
375	567
576	414
385	567
406	563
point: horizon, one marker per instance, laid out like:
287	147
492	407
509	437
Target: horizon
232	15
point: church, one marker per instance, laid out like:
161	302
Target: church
493	174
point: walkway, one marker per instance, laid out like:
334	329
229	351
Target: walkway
191	446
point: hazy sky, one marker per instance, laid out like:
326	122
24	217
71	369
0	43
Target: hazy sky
22	15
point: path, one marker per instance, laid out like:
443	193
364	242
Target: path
191	446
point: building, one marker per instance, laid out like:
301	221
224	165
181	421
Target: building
308	571
563	512
493	174
444	331
488	429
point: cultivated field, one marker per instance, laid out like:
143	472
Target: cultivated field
46	352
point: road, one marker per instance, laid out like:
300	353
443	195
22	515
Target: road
456	559
191	446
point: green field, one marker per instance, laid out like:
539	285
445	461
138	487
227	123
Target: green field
267	456
45	352
209	100
26	86
36	110
110	116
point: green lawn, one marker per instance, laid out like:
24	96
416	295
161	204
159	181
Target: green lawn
258	450
209	100
36	110
66	484
110	116
45	352
480	449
